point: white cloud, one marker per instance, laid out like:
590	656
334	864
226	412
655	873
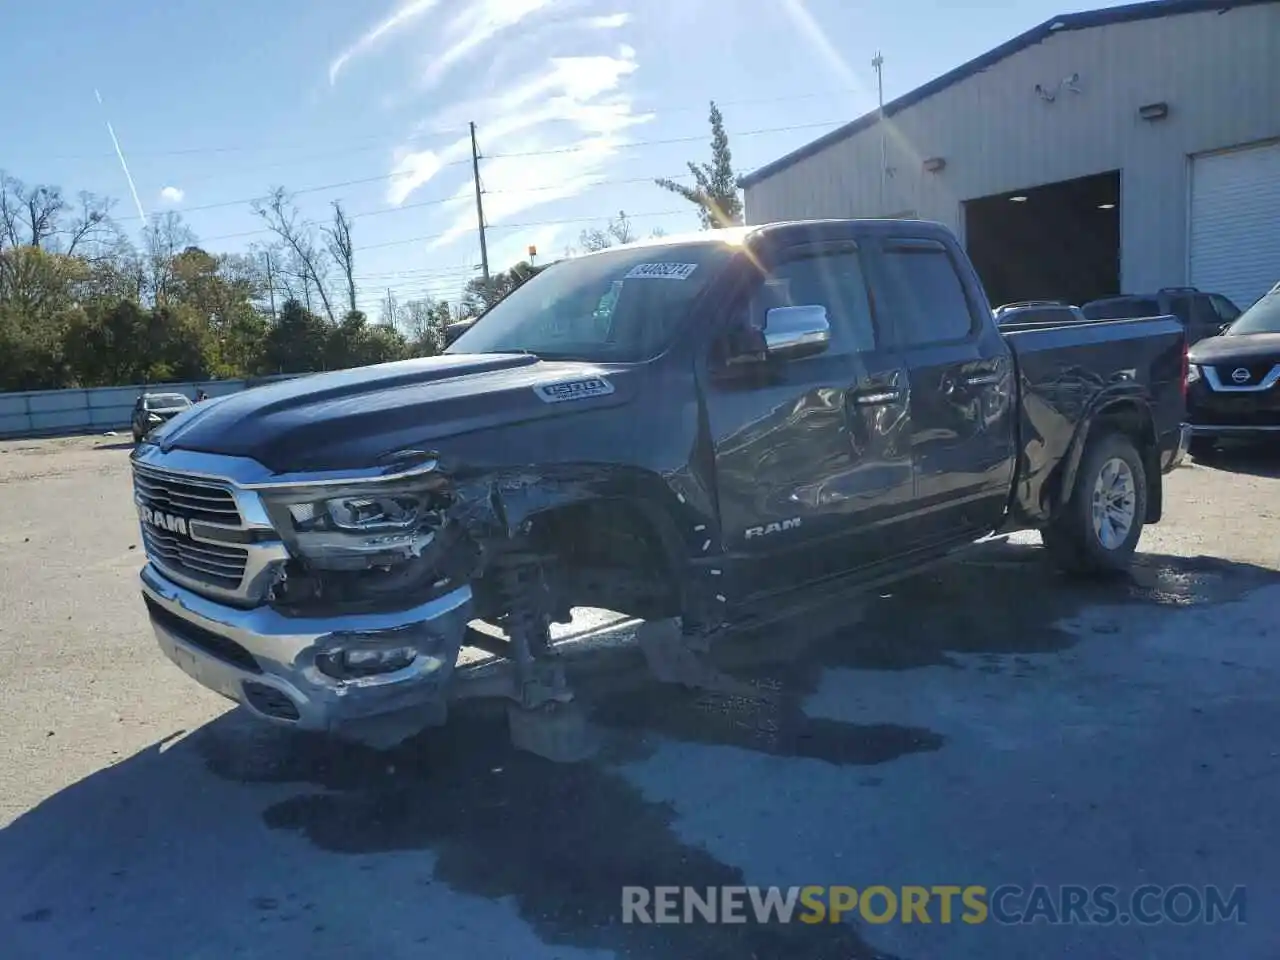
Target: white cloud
402	16
529	169
610	21
548	134
474	27
172	194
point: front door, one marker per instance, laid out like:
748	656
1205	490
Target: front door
963	394
812	456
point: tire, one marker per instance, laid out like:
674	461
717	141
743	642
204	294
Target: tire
1202	448
1111	471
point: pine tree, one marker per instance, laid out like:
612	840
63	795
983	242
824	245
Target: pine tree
715	190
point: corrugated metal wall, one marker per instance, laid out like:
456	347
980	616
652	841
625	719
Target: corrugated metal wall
1219	73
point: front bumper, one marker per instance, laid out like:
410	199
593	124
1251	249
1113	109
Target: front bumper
267	661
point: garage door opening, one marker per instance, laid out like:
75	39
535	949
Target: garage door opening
1060	241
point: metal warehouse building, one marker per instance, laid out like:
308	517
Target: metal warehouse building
1120	150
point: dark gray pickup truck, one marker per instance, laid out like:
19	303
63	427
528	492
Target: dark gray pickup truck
699	432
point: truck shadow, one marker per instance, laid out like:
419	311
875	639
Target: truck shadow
107	866
1251	460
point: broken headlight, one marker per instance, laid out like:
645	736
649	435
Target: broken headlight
356	529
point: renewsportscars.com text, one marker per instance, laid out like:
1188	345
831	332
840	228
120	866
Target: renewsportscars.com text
1007	904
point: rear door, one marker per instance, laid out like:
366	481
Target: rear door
963	394
812	456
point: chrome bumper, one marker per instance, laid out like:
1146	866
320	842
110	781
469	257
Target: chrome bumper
267	661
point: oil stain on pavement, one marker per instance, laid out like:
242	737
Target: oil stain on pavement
563	840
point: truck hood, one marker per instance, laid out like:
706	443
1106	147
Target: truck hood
1245	347
350	418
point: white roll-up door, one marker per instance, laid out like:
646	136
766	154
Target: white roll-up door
1235	222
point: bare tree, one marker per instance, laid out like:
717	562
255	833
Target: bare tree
390	313
620	228
338	241
594	239
164	238
91	224
617	230
310	261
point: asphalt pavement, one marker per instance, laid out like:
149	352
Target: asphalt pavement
988	723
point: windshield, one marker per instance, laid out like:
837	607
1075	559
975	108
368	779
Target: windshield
1262	317
623	305
165	401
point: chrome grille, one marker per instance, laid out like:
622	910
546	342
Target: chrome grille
191	502
190	499
221	566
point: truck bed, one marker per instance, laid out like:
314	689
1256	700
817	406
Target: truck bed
1066	370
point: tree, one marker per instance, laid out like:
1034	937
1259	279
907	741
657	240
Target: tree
310	262
164	238
355	343
715	189
338	241
617	230
296	342
424	321
479	295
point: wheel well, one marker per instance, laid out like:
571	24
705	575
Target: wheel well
613	554
1134	421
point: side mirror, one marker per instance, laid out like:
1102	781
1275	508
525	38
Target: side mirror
791	333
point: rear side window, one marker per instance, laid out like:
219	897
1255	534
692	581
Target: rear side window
922	294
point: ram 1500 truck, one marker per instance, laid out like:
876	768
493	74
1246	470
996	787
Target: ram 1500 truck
694	432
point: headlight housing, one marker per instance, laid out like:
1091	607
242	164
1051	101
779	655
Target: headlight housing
1193	372
365	526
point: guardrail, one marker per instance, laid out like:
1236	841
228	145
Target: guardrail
52	413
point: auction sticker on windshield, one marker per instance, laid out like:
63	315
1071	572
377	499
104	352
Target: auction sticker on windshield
574	389
661	271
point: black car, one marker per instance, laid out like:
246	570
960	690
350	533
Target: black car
1202	314
1234	379
153	409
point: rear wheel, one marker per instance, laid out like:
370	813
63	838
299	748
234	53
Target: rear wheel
1098	530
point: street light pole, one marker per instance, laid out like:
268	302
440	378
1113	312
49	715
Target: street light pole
877	63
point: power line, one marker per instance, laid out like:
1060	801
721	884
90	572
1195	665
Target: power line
437	132
382	178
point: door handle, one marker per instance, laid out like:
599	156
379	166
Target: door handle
876	398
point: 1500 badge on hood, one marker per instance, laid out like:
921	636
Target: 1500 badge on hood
579	389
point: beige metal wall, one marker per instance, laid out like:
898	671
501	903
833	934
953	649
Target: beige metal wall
1219	73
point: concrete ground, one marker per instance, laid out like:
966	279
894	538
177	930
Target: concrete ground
988	723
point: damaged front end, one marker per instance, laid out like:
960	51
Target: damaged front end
334	603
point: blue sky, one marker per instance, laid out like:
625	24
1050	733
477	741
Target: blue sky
577	103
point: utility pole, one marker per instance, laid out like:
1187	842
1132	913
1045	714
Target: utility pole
271	284
877	63
475	170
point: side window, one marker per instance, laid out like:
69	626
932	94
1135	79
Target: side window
833	280
1225	309
923	294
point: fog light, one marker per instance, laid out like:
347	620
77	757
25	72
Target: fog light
365	661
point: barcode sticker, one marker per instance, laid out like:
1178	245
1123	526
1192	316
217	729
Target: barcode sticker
661	271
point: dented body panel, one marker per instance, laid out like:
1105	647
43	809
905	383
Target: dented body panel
671	484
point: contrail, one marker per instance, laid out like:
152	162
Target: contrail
124	166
